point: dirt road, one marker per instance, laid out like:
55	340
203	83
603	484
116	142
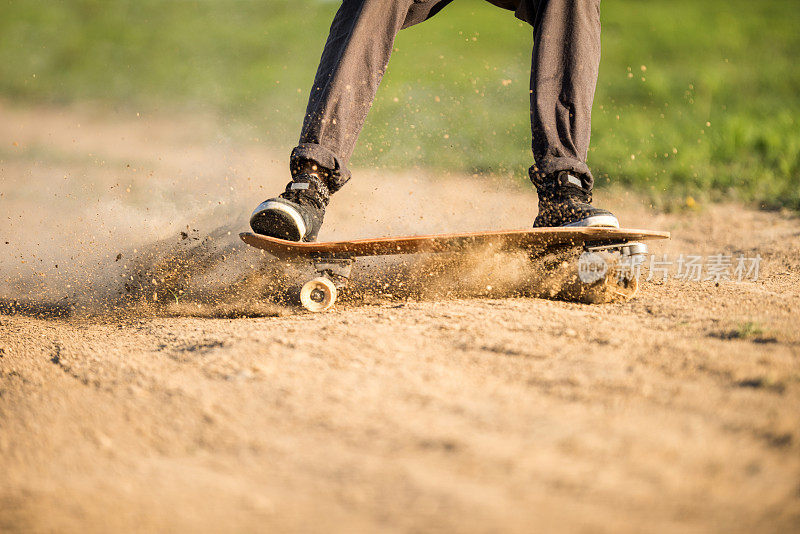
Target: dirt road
126	404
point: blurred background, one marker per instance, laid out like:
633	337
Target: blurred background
697	101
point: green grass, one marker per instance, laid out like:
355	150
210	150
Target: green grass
712	116
747	330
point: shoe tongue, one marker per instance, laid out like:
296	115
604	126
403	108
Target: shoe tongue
306	181
566	178
308	185
572	186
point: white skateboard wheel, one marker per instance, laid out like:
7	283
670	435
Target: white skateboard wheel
318	294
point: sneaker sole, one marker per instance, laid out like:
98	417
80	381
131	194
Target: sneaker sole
604	221
276	219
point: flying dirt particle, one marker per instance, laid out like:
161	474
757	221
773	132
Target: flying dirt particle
184	235
102	440
119	257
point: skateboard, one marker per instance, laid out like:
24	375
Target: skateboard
333	260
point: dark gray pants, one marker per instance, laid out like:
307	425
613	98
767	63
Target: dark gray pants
566	57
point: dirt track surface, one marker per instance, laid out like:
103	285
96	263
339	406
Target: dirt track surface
474	410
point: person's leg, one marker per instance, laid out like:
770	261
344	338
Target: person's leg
352	65
566	58
351	68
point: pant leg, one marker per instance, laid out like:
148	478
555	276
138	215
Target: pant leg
353	63
566	59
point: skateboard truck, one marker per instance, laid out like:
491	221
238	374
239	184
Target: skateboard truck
625	249
337	269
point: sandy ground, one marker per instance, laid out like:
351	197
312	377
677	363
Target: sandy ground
152	380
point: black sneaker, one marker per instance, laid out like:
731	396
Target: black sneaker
565	201
296	214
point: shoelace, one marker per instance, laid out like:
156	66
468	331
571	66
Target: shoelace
566	194
570	192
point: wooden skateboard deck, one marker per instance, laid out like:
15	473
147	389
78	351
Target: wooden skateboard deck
333	259
535	238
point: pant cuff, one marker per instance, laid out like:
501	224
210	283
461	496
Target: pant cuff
338	174
552	166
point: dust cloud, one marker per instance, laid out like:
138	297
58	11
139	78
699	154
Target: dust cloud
108	217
